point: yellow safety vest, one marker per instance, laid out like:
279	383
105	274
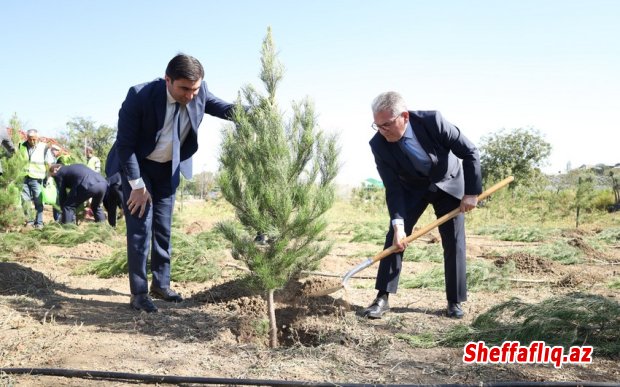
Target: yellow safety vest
35	168
94	163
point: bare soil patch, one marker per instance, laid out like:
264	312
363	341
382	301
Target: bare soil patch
51	318
527	263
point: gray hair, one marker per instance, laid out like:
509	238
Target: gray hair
390	100
32	132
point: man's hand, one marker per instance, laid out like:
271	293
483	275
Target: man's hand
469	202
399	237
138	200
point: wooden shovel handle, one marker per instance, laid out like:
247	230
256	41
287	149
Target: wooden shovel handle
442	220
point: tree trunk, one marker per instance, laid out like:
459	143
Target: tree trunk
273	327
577	218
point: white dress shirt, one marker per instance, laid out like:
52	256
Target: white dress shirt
163	148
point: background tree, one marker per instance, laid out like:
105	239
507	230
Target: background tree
518	152
615	188
11	181
279	178
583	197
82	132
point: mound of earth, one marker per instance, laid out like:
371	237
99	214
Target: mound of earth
16	279
527	263
588	250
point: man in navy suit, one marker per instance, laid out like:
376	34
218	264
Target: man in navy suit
83	183
157	136
417	156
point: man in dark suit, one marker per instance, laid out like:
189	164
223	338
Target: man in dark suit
83	183
157	136
417	156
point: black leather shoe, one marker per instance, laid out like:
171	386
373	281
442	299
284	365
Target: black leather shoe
379	306
165	294
454	310
142	302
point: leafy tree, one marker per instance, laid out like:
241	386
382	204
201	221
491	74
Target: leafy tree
11	181
279	177
519	152
82	132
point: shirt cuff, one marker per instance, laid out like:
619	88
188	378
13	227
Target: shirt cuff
398	222
137	183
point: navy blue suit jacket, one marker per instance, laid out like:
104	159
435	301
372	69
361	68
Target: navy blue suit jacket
444	143
141	117
74	176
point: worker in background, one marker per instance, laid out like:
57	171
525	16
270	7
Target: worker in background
93	162
38	158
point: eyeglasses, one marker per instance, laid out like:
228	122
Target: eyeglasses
385	125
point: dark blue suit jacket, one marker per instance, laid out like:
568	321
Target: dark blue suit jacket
142	116
76	176
444	143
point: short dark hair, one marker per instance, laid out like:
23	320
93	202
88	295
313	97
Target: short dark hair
185	67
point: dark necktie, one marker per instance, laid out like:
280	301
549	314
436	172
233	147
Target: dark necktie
176	145
416	155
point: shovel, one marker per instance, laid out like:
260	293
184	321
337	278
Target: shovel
413	236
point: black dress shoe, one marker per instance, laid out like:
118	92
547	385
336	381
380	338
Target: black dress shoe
142	302
454	310
379	306
165	294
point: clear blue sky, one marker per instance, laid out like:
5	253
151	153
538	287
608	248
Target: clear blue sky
486	65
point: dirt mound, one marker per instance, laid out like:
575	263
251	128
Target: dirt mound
225	292
16	279
575	233
89	250
570	280
248	306
320	286
588	250
196	227
527	263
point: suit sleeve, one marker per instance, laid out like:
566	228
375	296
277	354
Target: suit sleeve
452	138
394	194
127	137
218	107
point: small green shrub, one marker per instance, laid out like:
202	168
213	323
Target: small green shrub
572	319
68	235
481	275
423	340
560	252
513	234
370	232
426	253
193	258
14	244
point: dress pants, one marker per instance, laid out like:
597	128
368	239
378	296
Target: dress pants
79	195
152	231
111	201
452	239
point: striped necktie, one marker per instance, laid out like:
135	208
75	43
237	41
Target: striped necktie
176	145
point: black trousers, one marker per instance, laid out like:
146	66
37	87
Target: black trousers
153	231
452	239
112	201
80	194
